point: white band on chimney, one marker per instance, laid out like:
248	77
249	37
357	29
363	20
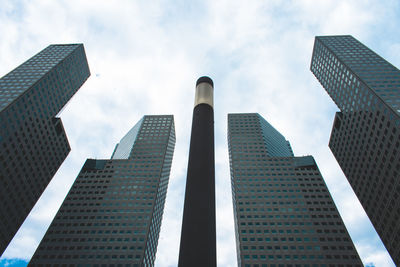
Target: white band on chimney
204	94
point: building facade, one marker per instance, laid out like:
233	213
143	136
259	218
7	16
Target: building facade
365	137
284	214
33	143
112	214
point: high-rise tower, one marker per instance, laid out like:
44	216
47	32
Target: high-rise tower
113	212
365	138
282	208
33	143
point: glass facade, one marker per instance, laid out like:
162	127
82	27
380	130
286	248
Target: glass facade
113	211
366	132
275	143
33	143
284	214
354	75
124	148
20	80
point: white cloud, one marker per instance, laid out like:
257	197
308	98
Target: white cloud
148	56
374	255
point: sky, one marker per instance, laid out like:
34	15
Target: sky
145	58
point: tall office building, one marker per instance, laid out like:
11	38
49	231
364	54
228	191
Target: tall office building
365	136
112	214
33	143
284	213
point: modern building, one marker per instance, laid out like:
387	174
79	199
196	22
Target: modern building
365	138
33	143
112	214
284	214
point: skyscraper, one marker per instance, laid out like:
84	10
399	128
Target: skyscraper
284	214
33	143
112	214
365	135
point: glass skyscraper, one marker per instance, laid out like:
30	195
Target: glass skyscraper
112	214
33	143
284	214
365	138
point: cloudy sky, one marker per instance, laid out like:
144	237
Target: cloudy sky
145	57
